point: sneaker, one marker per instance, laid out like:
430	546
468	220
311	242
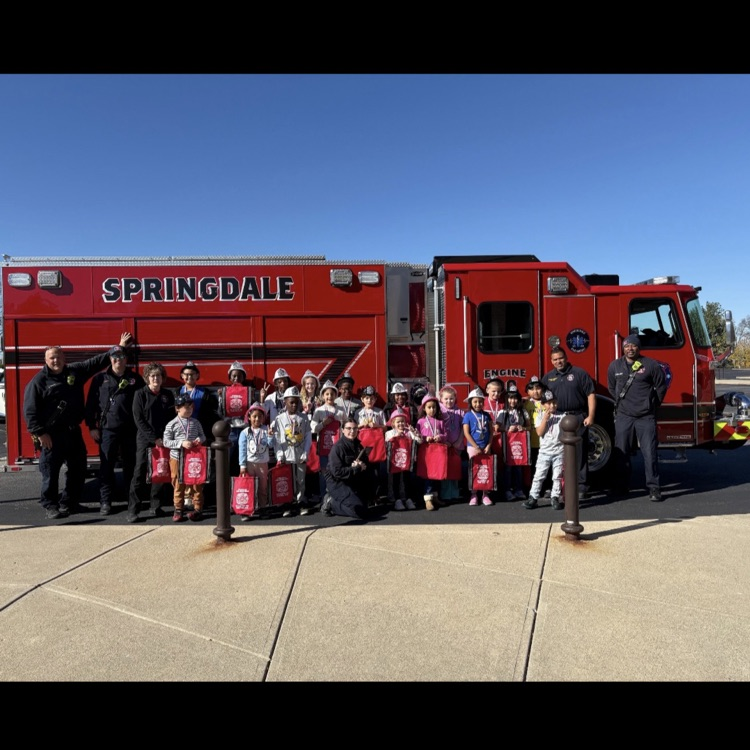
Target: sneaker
655	496
64	509
509	495
428	504
105	509
519	495
153	513
399	505
195	515
326	508
305	511
473	500
287	513
531	503
53	512
486	500
557	503
178	516
133	518
410	504
245	519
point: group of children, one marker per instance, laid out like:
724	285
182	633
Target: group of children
282	430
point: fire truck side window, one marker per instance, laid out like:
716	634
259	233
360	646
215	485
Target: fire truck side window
655	322
505	327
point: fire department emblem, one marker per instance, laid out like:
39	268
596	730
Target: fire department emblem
162	467
400	458
578	340
194	467
235	403
241	497
483	474
516	451
282	486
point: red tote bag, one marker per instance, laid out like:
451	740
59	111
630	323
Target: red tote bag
194	465
432	461
401	452
482	470
327	437
158	466
517	449
282	484
373	437
244	493
313	459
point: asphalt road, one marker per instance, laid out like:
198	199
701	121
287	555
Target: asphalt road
707	484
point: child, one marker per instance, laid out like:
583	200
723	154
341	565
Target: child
345	401
184	431
432	429
534	407
309	393
477	425
327	414
368	417
550	453
454	433
513	418
400	400
309	387
495	400
292	439
398	482
273	403
234	402
254	452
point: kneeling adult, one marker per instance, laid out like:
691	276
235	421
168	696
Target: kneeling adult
349	476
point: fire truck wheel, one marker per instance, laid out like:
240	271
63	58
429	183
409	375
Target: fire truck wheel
601	446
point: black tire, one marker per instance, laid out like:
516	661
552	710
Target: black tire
601	445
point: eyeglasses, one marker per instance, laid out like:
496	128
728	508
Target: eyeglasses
348	429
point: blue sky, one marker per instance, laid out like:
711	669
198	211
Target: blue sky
639	175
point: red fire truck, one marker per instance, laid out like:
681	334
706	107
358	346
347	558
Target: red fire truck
460	320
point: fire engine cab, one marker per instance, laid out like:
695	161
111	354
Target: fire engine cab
459	320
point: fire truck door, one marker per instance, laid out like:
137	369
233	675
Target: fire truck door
571	322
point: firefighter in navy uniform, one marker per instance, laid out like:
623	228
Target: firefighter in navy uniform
53	408
638	386
575	393
109	417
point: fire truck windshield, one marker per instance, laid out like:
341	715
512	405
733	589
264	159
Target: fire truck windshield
697	323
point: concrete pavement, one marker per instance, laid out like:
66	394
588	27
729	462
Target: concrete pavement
661	600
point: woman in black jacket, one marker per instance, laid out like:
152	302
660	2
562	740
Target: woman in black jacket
349	477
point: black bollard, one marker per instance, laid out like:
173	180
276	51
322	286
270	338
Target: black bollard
571	440
224	529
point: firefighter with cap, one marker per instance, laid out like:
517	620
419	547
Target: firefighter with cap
109	417
234	401
638	386
273	402
53	408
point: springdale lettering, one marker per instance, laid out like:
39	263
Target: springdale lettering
192	288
